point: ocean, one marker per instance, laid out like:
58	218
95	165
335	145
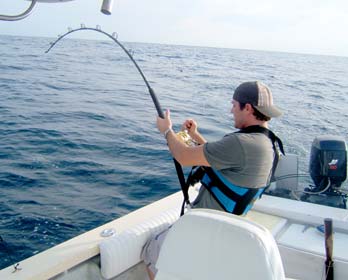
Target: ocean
78	141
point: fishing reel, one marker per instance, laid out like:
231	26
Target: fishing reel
186	138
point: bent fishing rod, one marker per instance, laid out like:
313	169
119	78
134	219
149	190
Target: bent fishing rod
113	37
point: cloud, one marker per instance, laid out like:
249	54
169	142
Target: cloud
299	26
315	26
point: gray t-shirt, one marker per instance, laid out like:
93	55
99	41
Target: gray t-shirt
245	159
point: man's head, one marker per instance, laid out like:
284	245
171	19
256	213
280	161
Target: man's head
255	104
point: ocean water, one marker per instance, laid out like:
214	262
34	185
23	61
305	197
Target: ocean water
78	141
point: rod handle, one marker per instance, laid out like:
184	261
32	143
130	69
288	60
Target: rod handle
156	102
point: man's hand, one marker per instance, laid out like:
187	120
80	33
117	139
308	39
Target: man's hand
164	124
192	129
191	126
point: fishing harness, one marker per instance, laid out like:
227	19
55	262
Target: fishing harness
232	198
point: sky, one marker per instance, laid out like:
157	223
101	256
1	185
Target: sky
300	26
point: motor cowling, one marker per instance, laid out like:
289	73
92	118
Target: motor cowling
328	162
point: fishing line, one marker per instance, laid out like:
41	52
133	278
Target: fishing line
289	176
160	113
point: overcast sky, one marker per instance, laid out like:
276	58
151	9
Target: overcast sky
303	26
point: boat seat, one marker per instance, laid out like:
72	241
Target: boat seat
207	244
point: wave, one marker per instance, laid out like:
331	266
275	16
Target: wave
79	144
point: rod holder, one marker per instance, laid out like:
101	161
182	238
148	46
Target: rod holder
107	7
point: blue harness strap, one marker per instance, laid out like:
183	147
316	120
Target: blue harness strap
232	198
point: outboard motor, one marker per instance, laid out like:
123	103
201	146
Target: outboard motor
328	162
328	170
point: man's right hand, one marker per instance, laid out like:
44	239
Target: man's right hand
191	126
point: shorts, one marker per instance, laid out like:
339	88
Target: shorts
152	249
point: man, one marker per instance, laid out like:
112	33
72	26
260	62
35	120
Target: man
237	168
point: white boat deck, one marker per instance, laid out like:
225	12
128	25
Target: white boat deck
292	223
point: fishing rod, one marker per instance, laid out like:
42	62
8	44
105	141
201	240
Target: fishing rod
114	38
160	113
329	263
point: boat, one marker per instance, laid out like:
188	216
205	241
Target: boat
279	238
113	250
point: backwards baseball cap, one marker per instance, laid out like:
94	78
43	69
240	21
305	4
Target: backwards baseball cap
258	95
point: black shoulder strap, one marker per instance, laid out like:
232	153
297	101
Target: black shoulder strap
195	175
260	129
274	139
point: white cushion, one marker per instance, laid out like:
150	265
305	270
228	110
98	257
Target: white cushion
208	244
120	252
